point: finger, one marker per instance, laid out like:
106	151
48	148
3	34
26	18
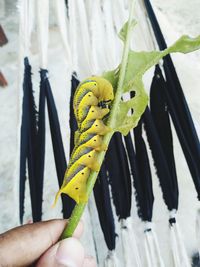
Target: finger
68	252
89	262
27	243
79	230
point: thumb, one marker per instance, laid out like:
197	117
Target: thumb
23	245
68	252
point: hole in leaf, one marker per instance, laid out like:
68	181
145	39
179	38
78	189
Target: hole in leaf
133	94
130	112
126	96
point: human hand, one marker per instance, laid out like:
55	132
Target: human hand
38	244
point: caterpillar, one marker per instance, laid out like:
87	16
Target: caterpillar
91	105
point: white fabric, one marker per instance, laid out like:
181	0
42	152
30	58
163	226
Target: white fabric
152	249
178	251
43	31
129	244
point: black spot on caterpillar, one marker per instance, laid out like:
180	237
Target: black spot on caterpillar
90	104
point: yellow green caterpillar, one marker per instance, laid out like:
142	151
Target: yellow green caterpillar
90	105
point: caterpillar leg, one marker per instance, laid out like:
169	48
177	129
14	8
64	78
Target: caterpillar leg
103	147
95	166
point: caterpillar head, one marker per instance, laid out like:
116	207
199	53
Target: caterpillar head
107	92
105	89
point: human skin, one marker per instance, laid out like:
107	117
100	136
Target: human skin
37	245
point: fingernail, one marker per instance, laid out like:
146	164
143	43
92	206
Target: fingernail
70	253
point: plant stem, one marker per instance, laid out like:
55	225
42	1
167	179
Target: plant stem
79	208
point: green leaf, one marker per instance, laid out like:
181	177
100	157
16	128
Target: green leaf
185	44
123	31
112	77
138	63
124	122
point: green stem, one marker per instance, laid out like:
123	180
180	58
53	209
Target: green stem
79	208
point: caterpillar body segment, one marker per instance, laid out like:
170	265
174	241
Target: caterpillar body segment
96	142
89	159
92	140
71	172
93	113
79	152
82	90
76	137
76	187
98	127
87	101
85	125
91	105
